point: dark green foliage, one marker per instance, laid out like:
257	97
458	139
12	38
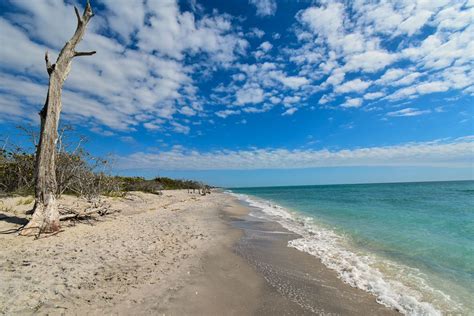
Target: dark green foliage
16	171
156	184
173	184
138	184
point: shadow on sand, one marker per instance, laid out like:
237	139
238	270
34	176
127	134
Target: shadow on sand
13	219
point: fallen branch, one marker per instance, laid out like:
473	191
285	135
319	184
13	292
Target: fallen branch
11	231
100	208
46	235
77	215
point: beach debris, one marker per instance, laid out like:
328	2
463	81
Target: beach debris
90	212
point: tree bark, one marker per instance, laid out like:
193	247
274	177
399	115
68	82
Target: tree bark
45	217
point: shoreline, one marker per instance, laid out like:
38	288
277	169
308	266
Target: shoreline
282	280
175	254
398	285
299	275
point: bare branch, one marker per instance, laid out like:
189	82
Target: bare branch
49	67
88	10
46	58
78	15
84	53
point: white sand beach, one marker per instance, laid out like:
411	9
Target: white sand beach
176	254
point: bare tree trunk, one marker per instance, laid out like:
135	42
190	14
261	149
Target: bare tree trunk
45	211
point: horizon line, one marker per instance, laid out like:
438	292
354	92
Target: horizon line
336	184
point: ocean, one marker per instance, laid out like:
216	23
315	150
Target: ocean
410	244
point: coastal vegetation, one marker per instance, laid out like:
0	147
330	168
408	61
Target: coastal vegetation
77	172
85	189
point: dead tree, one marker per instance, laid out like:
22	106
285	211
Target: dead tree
45	211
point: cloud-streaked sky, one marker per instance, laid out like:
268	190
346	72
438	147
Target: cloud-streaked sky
206	85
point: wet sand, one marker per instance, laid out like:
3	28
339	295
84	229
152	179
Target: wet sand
255	273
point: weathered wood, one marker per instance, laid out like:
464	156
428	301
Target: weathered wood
45	217
79	215
100	208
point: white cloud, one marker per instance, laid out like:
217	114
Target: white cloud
459	77
420	89
405	93
249	95
452	18
173	33
430	87
408	112
352	103
238	77
325	99
293	82
453	153
156	52
356	85
289	112
119	87
262	82
251	109
383	16
413	24
391	75
408	79
306	57
351	39
275	100
226	113
179	128
264	7
265	46
397	77
326	22
38	22
441	50
123	20
186	110
291	99
373	95
336	77
370	61
398	18
256	32
31	58
154	125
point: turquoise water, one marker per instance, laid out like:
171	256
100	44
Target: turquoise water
420	234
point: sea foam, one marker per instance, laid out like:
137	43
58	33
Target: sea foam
358	270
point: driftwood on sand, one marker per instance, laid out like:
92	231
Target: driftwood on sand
99	207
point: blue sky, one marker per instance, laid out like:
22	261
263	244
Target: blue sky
255	92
